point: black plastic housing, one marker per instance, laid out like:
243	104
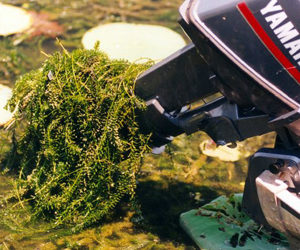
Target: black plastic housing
249	72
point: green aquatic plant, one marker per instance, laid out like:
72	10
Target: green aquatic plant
81	148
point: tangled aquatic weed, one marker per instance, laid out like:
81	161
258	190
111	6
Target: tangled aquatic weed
80	152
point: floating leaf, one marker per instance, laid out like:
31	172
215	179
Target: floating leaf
134	41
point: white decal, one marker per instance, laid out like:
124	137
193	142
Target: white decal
297	57
284	29
293	46
271	7
286	32
276	19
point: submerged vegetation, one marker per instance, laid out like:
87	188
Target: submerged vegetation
81	148
180	179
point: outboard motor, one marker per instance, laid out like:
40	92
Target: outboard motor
245	57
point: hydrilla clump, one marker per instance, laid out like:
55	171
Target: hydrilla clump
81	149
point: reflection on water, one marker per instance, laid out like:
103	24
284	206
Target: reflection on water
178	180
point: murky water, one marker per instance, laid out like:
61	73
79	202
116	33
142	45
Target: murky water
180	179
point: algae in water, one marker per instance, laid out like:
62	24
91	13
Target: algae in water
80	152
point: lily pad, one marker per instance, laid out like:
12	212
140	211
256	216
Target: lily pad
134	41
5	94
13	20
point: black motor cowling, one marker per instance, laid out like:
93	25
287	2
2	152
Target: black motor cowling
248	50
253	46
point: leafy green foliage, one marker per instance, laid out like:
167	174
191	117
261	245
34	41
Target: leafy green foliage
81	149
